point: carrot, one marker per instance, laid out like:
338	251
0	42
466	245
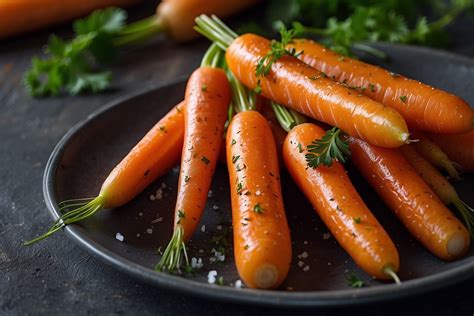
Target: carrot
262	244
434	154
411	199
21	16
422	106
178	15
336	201
156	153
207	100
292	83
443	189
459	148
175	17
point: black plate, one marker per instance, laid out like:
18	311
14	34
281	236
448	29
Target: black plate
87	153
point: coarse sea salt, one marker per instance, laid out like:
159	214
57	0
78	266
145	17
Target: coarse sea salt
211	276
119	237
238	284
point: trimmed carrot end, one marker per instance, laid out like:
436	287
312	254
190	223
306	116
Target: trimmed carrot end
457	245
266	277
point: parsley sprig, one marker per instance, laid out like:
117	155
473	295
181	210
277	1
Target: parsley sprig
277	50
330	147
354	281
75	66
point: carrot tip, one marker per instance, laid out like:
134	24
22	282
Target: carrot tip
266	276
456	245
388	269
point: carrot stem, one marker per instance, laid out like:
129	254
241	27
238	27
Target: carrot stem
85	210
172	258
286	117
140	31
215	30
467	213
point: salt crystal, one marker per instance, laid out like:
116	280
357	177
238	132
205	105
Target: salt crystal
209	194
305	269
149	231
257	193
140	214
211	276
215	207
219	227
304	255
300	264
238	284
119	237
203	228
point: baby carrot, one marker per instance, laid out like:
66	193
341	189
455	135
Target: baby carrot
336	201
422	106
434	154
262	244
156	153
459	148
292	83
207	99
438	183
20	16
411	199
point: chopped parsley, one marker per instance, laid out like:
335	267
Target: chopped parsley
258	208
205	160
354	281
404	98
357	220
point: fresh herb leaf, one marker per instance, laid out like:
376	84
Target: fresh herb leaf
330	147
354	281
205	160
277	50
72	65
404	98
258	208
357	220
181	214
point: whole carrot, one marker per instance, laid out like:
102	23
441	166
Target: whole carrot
262	242
422	106
336	201
459	148
434	154
156	153
438	183
292	83
207	100
21	16
411	199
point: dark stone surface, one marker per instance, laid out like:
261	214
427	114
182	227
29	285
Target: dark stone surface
55	276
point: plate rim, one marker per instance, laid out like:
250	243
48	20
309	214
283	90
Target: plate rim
303	299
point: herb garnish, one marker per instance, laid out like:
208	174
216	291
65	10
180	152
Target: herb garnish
357	220
354	281
258	208
404	98
205	160
331	146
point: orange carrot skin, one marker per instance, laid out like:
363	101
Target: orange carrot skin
422	106
411	199
292	83
156	153
336	201
178	15
21	16
207	99
261	240
459	148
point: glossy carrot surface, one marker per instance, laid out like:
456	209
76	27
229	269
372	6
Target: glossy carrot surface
411	199
156	153
336	201
207	100
422	106
262	245
292	83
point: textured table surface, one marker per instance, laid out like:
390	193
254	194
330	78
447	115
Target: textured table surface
55	276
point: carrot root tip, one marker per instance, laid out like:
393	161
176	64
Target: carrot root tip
172	259
388	270
79	209
456	245
266	276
